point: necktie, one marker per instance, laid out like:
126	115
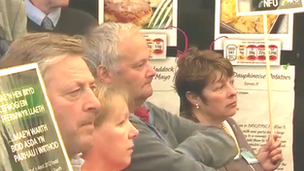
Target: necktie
47	23
143	113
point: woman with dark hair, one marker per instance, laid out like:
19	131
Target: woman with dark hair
205	84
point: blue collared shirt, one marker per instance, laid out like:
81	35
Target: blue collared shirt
36	15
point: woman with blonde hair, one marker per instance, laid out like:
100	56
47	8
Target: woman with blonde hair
113	134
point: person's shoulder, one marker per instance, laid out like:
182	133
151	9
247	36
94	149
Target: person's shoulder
11	3
139	124
11	8
233	124
231	121
149	105
134	118
159	113
155	109
152	106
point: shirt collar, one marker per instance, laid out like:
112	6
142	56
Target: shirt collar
77	162
37	15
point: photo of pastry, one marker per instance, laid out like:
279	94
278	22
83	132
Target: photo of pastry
251	24
147	14
229	24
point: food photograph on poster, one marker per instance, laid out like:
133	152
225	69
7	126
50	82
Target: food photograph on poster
231	23
152	16
249	7
251	27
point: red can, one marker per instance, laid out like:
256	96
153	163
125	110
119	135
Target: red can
273	52
158	46
251	52
261	53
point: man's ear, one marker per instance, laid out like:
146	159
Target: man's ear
104	75
193	98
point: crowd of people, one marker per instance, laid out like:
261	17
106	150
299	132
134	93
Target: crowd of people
98	79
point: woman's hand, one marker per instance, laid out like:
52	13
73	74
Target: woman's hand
270	155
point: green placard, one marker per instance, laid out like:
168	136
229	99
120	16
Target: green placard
29	136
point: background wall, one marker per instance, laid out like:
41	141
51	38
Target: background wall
196	18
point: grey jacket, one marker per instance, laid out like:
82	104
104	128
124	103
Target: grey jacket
12	19
178	144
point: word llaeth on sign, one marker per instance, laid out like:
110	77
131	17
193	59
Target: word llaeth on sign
19	114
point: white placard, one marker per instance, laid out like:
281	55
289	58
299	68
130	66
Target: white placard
165	71
252	115
251	52
157	44
164	94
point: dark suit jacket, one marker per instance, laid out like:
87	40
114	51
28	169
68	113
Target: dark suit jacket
71	22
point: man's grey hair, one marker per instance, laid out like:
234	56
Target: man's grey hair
101	44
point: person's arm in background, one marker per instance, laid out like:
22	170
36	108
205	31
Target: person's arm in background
199	152
151	154
208	144
18	26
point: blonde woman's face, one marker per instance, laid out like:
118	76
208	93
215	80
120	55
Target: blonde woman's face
115	136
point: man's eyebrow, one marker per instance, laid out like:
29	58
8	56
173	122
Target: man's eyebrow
139	61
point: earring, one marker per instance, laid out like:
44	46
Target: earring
197	106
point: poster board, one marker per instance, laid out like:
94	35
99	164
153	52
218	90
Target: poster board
252	115
258	7
240	52
29	136
153	16
164	94
227	23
